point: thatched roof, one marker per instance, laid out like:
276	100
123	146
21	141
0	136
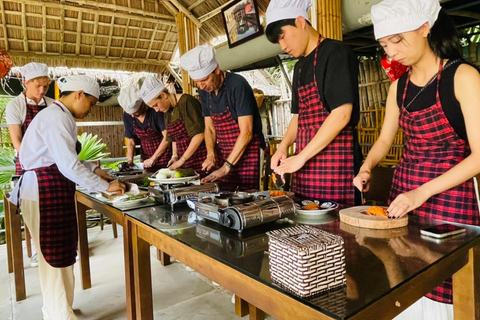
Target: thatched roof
132	35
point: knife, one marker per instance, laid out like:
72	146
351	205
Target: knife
131	188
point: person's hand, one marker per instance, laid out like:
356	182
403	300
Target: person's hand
103	174
209	163
148	163
406	202
290	165
217	174
130	162
178	164
172	160
116	187
361	181
278	156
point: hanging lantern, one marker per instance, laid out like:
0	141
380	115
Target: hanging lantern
6	63
394	69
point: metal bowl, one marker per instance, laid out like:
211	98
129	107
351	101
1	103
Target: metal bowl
231	198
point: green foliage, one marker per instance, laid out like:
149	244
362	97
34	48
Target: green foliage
92	148
111	164
6	160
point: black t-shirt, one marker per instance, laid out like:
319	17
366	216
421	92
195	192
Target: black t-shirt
238	95
337	77
450	105
155	119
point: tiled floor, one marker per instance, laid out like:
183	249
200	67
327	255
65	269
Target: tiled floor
178	293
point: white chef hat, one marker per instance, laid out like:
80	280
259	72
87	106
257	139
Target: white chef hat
150	89
287	9
34	70
391	17
199	62
79	82
129	100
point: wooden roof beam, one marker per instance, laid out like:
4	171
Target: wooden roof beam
196	4
138	40
24	27
44	29
95	31
110	37
4	23
115	8
146	16
170	7
213	13
62	27
190	15
79	32
124	37
164	42
152	40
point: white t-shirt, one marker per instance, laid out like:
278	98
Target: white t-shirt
50	139
16	109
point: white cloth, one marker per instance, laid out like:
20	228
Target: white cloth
150	89
287	9
427	309
129	100
16	109
199	62
34	70
57	284
50	139
391	17
79	82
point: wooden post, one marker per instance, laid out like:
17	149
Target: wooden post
188	38
329	19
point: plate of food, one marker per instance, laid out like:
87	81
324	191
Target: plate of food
372	217
167	176
315	207
127	199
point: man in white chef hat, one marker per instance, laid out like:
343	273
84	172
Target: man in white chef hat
325	106
47	189
21	110
147	126
232	122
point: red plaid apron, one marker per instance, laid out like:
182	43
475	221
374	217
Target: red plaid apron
177	131
246	172
329	174
433	147
149	142
32	110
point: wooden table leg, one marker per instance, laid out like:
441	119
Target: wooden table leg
17	254
114	228
163	258
466	288
6	209
129	270
255	313
28	240
241	307
142	276
83	246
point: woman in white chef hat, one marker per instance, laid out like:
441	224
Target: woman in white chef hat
47	189
436	105
146	125
184	123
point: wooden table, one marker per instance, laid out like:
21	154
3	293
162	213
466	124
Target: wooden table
375	294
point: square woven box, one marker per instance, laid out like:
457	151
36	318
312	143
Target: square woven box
306	260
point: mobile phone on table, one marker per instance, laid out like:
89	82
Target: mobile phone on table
442	230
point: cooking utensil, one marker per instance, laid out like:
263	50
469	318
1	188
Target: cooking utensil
356	216
278	180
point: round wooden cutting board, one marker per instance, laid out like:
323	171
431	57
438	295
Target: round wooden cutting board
356	216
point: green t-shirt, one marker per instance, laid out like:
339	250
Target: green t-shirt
189	110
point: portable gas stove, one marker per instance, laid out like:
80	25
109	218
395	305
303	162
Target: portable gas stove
173	194
239	211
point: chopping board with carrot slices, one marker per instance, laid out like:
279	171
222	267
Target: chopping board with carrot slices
361	216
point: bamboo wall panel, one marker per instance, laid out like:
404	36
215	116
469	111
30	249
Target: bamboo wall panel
111	135
188	37
329	20
373	90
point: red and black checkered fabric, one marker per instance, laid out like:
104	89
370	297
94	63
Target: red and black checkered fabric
58	219
329	174
178	133
246	172
149	142
432	147
32	110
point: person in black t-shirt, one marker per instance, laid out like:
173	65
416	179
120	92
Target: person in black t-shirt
324	103
232	122
148	126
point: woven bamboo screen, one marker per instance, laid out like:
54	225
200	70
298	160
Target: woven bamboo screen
329	20
373	90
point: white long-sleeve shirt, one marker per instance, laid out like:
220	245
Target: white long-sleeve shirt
50	139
